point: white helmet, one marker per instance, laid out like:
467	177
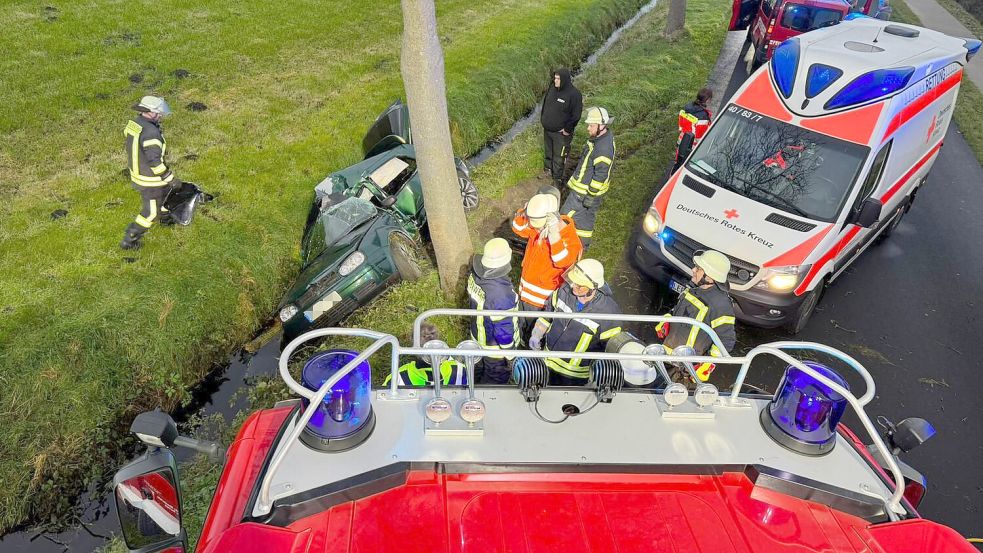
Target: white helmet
539	207
588	273
496	254
715	264
153	104
598	116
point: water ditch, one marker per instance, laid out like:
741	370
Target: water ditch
219	393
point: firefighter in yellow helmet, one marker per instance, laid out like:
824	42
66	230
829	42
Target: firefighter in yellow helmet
591	178
707	301
151	177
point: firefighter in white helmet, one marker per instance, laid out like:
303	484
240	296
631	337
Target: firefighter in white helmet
552	246
707	301
145	148
490	288
591	178
584	292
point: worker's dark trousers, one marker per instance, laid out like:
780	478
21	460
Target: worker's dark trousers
492	371
556	147
152	199
583	216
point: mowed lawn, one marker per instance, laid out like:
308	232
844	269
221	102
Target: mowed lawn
268	98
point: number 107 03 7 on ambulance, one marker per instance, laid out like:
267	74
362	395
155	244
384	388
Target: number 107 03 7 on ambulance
818	154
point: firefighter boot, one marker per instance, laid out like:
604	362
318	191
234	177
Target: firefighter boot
131	237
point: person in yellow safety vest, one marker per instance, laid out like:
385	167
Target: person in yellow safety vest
489	287
145	148
584	292
708	301
591	178
419	372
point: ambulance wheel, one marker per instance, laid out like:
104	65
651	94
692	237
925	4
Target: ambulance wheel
896	220
405	257
807	308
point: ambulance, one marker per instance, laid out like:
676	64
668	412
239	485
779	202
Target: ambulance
817	155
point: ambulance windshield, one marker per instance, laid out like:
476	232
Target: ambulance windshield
781	165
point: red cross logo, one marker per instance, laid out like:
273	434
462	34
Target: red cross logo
931	128
731	214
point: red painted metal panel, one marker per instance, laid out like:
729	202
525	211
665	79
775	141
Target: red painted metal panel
760	96
798	254
662	198
855	125
922	102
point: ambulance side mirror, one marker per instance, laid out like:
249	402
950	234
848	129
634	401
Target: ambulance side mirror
869	213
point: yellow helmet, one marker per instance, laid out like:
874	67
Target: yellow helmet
539	207
715	264
588	273
597	116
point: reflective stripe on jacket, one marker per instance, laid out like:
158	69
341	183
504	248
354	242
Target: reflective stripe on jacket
499	295
580	334
694	119
452	373
593	174
145	147
544	263
712	306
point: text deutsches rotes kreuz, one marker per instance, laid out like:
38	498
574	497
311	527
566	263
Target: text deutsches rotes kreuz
750	235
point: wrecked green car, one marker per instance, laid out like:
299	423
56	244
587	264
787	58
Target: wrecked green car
365	229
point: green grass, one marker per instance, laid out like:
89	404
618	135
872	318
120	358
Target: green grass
639	80
970	99
87	337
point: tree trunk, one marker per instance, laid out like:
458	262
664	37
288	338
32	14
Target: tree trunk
422	66
676	19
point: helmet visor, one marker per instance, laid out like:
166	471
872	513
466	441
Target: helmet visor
575	276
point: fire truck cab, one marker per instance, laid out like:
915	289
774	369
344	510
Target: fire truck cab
816	155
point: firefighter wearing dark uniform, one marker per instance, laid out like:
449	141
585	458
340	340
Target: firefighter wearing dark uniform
708	301
489	287
584	292
562	106
591	178
145	148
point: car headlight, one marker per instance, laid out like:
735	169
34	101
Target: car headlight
351	263
652	223
288	312
782	279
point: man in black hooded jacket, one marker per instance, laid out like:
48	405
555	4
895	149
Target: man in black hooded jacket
562	105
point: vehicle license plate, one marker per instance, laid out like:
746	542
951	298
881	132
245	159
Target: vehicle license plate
676	287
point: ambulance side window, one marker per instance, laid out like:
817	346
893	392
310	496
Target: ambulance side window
874	176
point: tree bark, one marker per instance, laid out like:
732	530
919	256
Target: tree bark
676	19
422	67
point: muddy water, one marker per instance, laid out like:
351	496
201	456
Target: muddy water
95	518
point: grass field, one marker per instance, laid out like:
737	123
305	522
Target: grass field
641	80
268	97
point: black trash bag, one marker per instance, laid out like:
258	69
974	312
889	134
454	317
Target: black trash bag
182	201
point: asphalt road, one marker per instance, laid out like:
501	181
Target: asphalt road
909	310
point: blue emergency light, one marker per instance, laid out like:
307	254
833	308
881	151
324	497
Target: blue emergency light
972	47
870	86
804	412
820	77
345	418
785	64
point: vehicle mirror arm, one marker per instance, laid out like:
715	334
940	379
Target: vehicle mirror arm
211	449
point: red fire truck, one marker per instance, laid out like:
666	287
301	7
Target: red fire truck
633	461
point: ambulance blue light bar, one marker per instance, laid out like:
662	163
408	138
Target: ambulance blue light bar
870	86
972	47
784	65
820	77
856	15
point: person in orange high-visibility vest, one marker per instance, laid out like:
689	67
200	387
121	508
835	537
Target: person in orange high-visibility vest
552	246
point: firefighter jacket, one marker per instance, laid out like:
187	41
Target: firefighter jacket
593	173
580	334
418	373
145	148
712	306
493	293
544	262
562	106
694	119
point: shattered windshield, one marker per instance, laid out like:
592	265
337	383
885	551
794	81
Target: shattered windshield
336	222
781	165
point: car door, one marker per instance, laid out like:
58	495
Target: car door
870	185
390	129
742	12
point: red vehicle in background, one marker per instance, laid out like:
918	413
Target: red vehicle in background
771	22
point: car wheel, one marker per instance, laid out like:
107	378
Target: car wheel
895	221
405	257
807	308
469	192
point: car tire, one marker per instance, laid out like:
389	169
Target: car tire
807	308
469	192
405	257
896	220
